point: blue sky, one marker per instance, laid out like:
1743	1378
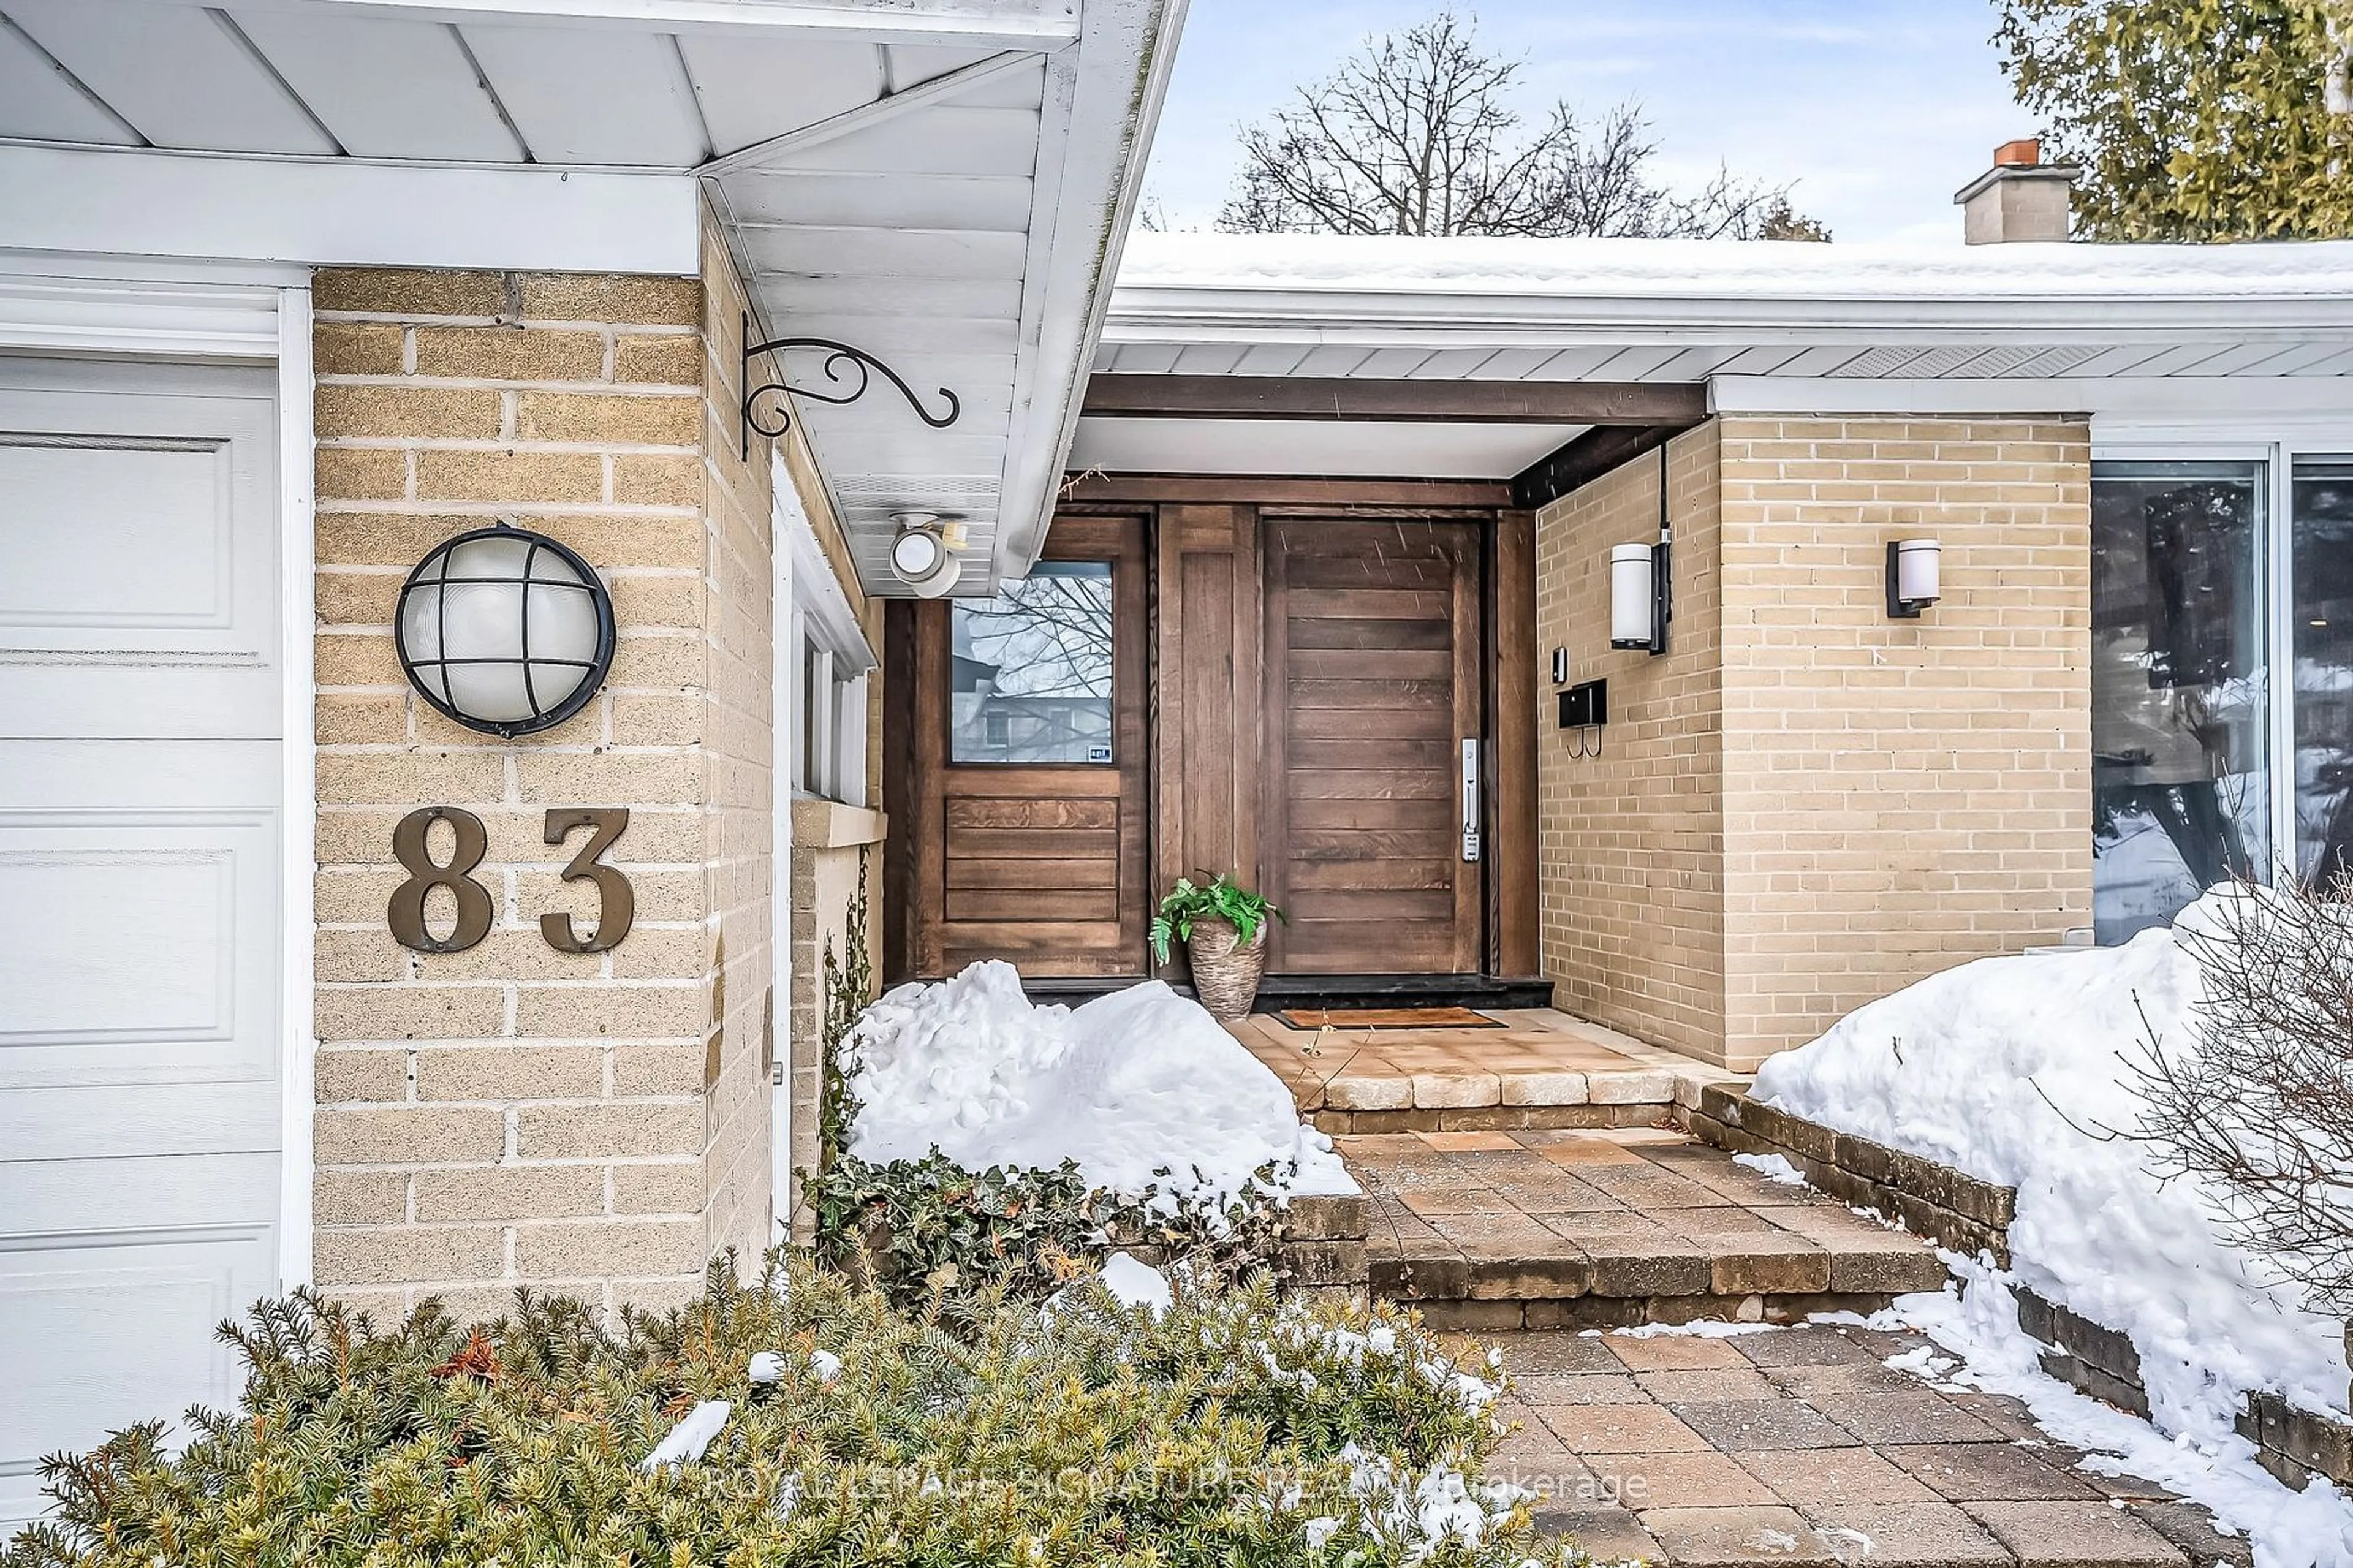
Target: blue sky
1877	110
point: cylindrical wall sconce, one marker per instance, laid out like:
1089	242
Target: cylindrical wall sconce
1633	596
1914	576
924	555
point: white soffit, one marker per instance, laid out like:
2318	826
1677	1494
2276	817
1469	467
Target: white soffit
1314	448
945	183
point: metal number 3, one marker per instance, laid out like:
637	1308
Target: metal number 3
617	903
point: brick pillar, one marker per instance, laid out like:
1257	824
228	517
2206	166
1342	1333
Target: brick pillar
514	1113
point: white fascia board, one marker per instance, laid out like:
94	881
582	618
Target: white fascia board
2187	400
344	212
946	24
1244	315
1102	102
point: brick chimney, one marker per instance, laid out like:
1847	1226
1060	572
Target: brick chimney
2019	198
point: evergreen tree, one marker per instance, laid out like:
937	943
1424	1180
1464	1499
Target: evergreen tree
2192	119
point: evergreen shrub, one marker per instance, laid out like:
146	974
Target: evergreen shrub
1233	1429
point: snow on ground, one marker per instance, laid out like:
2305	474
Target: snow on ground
1142	1087
2307	1528
2012	1069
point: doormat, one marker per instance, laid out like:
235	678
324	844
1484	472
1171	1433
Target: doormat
1388	1018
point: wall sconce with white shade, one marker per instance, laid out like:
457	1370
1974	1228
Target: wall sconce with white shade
1641	590
1633	594
504	630
1914	576
924	555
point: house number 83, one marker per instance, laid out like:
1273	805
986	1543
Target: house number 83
617	903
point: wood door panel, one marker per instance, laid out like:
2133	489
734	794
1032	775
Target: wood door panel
1039	874
1308	697
1373	679
1417	721
1373	641
1043	865
1333	664
1027	842
986	811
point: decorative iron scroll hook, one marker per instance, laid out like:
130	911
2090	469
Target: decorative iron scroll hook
840	360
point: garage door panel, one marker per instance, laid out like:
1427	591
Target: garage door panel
140	596
122	1322
138	947
141	936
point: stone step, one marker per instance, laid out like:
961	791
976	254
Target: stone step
1542	1229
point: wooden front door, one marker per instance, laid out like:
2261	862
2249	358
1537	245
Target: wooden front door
1029	768
1373	684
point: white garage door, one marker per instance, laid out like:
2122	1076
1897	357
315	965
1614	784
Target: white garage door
140	718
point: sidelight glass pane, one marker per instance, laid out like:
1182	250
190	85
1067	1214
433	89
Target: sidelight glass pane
1031	677
2180	776
2322	622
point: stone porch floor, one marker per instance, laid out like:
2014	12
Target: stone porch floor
1610	1227
1541	1068
1800	1446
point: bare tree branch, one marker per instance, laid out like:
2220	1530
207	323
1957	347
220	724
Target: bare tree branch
1415	134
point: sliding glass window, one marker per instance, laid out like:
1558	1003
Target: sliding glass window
2320	624
2181	687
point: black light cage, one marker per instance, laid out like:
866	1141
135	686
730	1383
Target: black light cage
425	576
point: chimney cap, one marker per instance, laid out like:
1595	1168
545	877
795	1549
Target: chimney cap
2006	166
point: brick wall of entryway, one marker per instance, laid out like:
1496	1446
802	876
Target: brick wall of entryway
1805	804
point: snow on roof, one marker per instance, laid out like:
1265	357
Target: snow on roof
1625	269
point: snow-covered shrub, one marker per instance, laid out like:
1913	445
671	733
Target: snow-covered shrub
811	1422
2260	1104
921	1227
977	1140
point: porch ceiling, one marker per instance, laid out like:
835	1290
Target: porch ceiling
942	182
1307	448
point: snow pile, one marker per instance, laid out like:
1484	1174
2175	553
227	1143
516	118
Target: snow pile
2307	1528
1142	1088
2014	1070
688	1440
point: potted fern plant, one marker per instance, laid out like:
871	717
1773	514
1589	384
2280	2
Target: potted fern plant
1223	927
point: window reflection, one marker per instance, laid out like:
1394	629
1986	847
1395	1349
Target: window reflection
2179	772
1032	680
2323	627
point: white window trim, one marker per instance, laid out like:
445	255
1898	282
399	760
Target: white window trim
256	313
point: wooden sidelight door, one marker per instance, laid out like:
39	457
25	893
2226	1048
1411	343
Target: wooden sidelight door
1373	684
1030	783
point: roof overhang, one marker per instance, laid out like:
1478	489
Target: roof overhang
945	183
1469	337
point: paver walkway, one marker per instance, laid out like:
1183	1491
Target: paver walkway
1610	1228
1799	1446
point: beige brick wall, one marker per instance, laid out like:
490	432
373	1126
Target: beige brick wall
513	1112
1886	798
1900	795
738	709
1631	865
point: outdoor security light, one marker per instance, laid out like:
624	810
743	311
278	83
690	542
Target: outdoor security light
505	631
924	555
1634	597
1912	576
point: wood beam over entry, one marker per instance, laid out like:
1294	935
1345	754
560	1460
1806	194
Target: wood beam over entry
1586	458
1623	402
